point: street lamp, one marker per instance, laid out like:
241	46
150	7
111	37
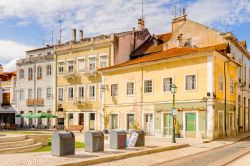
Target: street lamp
173	89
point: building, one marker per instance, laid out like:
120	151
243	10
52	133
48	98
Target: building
208	67
79	85
7	89
35	86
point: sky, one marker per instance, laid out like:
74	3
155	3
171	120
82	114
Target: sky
28	24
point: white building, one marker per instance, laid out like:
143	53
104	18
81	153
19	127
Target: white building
35	85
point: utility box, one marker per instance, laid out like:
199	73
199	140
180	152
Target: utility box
94	141
63	143
140	139
118	139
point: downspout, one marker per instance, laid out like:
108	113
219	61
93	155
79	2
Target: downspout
55	97
35	96
142	92
225	98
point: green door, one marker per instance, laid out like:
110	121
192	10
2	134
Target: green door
168	123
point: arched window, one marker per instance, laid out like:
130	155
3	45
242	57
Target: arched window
49	70
39	72
21	74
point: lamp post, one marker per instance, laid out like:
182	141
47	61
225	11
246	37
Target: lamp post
173	89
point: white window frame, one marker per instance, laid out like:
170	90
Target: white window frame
231	85
84	64
21	95
60	64
222	82
116	91
30	93
163	83
68	93
107	60
91	98
148	93
90	57
39	72
30	75
84	93
49	70
58	95
40	97
21	76
49	96
127	88
196	82
70	62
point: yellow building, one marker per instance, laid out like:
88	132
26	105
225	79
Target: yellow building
199	62
79	86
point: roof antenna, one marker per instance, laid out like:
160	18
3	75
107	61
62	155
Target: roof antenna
180	9
43	39
60	30
52	34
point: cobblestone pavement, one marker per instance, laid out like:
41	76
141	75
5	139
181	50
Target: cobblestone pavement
167	158
242	161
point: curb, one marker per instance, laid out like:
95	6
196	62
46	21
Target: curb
124	156
239	139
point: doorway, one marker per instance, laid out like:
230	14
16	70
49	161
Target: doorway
220	123
114	121
130	122
91	121
167	124
148	124
81	119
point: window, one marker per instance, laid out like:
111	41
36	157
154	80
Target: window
92	63
39	72
21	74
70	66
114	90
167	82
92	92
231	86
220	83
60	68
30	96
190	82
70	93
48	70
148	86
130	88
39	93
190	121
30	74
81	93
48	93
21	95
60	94
103	61
81	65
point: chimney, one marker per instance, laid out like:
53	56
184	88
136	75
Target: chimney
81	35
1	69
179	38
141	24
73	35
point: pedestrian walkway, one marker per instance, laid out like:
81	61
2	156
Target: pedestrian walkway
158	158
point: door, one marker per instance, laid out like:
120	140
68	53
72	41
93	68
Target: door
81	119
6	99
190	125
130	122
71	120
148	124
114	121
168	123
91	121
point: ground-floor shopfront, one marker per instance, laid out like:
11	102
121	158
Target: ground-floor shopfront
195	119
7	114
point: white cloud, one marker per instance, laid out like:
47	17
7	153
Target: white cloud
109	16
11	51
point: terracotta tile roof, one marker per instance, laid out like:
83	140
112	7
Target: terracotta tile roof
165	37
149	47
174	52
170	53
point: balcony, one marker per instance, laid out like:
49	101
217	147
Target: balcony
91	73
33	102
70	74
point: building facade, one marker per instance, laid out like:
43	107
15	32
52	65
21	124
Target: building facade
79	85
7	89
35	86
203	64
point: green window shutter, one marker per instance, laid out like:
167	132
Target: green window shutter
191	122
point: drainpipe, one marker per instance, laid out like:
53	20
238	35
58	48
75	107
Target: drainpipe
225	98
55	87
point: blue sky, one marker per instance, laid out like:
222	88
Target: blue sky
23	22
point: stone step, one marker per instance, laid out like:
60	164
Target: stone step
12	138
21	149
16	143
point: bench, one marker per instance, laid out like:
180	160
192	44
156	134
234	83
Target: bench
75	128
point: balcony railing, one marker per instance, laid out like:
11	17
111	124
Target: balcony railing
33	102
34	59
70	74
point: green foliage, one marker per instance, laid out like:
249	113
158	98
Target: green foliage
136	126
